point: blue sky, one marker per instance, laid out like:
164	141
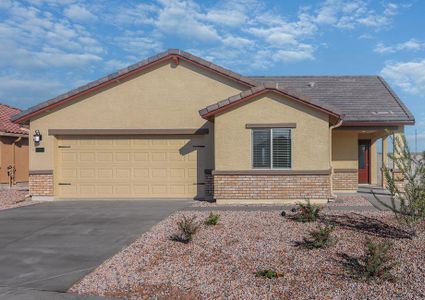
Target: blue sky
50	46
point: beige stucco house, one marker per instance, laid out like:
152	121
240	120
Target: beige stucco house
177	126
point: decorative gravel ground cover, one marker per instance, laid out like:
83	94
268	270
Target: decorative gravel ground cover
221	260
14	198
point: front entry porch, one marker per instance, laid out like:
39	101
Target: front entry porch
359	154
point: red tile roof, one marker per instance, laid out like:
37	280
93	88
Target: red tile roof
6	125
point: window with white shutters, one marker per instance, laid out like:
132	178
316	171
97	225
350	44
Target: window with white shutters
271	148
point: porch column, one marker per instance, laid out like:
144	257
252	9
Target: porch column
397	149
373	162
384	163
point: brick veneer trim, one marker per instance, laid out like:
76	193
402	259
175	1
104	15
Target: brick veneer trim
278	187
41	184
345	180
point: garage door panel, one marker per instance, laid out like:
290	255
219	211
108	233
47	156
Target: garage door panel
141	156
127	167
141	172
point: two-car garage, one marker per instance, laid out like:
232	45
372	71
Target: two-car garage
128	166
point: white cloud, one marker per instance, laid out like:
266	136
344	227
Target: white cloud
185	19
350	14
23	91
114	65
32	38
411	44
138	44
79	13
303	52
410	76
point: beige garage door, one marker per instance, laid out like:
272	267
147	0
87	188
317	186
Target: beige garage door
128	167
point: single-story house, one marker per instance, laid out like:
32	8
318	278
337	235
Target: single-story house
177	126
13	148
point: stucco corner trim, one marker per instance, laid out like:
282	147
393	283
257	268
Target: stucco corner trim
174	131
271	172
271	125
41	172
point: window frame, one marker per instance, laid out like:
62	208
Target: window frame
271	148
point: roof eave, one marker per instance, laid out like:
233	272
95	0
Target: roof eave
379	123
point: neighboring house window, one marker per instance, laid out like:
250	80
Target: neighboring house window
271	148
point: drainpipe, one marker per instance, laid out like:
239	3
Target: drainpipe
330	156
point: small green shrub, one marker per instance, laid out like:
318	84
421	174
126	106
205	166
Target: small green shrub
187	228
376	262
270	274
212	219
308	212
320	238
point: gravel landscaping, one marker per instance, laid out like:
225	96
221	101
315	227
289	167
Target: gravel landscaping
14	198
221	260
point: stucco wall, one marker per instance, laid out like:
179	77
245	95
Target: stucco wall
166	96
310	138
344	149
21	158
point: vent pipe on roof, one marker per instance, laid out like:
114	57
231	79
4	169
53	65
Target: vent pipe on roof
311	84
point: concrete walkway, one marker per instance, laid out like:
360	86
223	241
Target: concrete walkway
46	248
378	197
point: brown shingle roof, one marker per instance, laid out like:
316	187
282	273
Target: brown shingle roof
6	125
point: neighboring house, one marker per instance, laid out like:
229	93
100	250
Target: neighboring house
13	148
177	126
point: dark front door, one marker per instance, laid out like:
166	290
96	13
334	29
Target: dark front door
364	161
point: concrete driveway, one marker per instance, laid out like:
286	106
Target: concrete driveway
50	246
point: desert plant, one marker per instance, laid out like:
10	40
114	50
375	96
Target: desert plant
187	228
212	219
307	212
408	198
376	262
269	274
320	238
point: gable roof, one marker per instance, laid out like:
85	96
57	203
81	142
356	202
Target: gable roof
174	54
261	89
6	125
361	99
